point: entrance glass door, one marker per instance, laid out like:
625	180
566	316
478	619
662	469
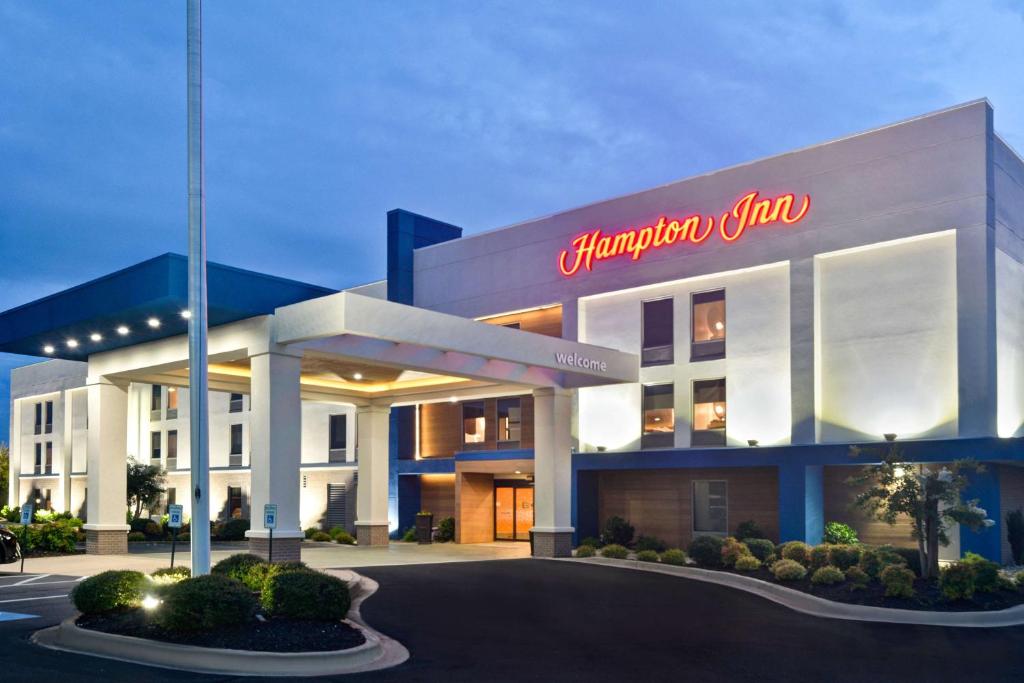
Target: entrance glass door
513	512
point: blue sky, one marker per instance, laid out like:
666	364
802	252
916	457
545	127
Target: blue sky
321	116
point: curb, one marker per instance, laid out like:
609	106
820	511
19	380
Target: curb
812	605
378	652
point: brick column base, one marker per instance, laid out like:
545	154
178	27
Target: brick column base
285	549
372	534
106	542
552	544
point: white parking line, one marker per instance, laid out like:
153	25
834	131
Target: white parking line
41	583
45	597
28	580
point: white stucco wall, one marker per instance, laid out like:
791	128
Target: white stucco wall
1010	344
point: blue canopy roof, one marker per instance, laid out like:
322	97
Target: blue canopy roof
129	298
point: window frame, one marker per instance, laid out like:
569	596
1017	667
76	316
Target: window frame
236	405
713	349
37	466
241	502
337	454
48	418
507	400
172	413
652	440
472	445
235	458
172	454
653	360
155	446
38	425
48	458
705	433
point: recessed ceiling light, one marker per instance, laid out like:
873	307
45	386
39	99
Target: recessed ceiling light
518	472
186	314
72	343
48	349
453	400
153	322
96	336
123	330
357	376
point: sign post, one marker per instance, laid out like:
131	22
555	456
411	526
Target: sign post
174	521
270	523
26	519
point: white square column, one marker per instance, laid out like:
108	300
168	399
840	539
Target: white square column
373	425
106	532
275	453
552	469
14	456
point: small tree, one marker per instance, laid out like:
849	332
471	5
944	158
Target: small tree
145	485
930	498
5	472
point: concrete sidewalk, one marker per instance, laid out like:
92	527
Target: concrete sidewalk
148	558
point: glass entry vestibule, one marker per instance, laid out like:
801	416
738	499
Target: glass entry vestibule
513	510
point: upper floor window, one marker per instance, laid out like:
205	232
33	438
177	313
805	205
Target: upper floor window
49	458
154	445
510	422
172	403
39	419
236	446
337	438
235	403
659	424
473	423
38	465
657	332
708	325
155	402
709	412
234	502
172	449
710	506
48	427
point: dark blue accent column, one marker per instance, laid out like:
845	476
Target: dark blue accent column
584	505
988	542
801	503
408	501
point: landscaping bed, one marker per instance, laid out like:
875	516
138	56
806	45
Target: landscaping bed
273	635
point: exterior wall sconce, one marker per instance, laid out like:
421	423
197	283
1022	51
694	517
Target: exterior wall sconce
752	443
889	436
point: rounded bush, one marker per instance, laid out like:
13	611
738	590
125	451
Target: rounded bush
205	603
796	551
109	591
617	531
986	572
1018	579
647	556
445	530
306	594
591	541
857	576
820	556
614	551
136	536
321	537
761	548
957	582
677	557
788	570
733	550
747	563
844	556
153	530
650	543
585	551
748	529
410	535
706	551
874	560
246	568
828	575
272	570
343	537
232	529
179	572
309	531
837	533
898	581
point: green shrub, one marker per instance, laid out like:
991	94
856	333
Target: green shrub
797	551
321	537
733	550
153	530
857	577
306	594
747	563
874	560
205	603
647	556
844	556
650	543
109	591
310	531
248	569
231	530
591	541
898	581
137	525
748	529
1015	535
58	536
178	573
828	575
614	551
956	581
788	570
410	535
445	530
343	537
618	531
273	569
820	556
1018	579
706	551
585	551
10	514
837	533
761	548
910	557
677	557
986	572
136	536
162	579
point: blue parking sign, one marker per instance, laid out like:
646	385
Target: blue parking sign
270	516
26	513
174	516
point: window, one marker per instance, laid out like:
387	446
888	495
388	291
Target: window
337	438
473	423
154	446
657	331
509	422
234	502
172	496
709	408
235	459
41	497
235	403
708	328
172	403
39	419
38	469
48	428
49	458
172	449
710	503
659	416
155	403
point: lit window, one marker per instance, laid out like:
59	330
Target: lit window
473	423
708	325
172	403
659	416
49	457
710	506
172	449
155	402
509	422
657	332
234	502
709	413
235	403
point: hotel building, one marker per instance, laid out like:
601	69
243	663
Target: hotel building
687	357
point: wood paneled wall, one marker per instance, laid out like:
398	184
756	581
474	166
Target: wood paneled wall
547	321
474	494
441	427
839	496
659	502
437	495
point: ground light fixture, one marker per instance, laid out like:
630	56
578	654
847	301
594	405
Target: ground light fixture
150	603
123	330
153	322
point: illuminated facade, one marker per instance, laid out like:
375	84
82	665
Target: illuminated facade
688	357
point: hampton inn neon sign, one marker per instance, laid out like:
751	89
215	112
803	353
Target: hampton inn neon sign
749	211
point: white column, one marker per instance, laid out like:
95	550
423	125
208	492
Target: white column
275	452
67	413
372	433
552	468
802	276
14	456
106	531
